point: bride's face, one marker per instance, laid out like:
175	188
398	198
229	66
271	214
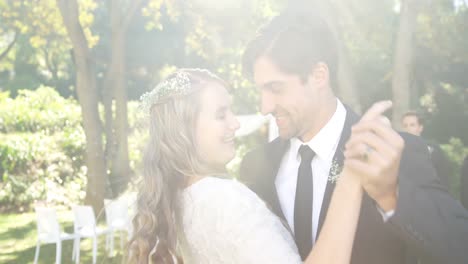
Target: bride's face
215	126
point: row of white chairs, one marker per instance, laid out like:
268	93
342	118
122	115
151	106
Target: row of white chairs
118	218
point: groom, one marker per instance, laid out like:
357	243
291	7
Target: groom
405	217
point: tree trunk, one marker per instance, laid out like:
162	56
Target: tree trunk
346	82
4	53
117	145
120	167
108	100
88	99
346	89
403	61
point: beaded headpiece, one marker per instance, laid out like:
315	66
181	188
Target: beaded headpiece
177	85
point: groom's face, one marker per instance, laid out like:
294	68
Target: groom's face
291	100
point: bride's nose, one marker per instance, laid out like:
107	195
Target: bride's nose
233	123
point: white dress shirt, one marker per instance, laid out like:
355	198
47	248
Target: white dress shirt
324	145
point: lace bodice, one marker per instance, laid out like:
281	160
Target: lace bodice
225	222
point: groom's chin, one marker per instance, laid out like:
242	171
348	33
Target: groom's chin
284	134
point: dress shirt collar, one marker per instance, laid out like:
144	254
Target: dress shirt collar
325	142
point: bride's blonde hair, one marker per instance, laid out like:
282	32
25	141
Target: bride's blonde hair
170	157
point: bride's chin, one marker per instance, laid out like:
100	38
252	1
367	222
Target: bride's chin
226	161
216	168
219	165
232	155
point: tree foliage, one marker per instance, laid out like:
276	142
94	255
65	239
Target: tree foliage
130	45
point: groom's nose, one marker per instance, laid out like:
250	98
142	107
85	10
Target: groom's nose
267	103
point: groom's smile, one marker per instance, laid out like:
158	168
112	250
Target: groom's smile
282	119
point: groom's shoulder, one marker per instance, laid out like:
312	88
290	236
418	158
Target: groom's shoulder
262	152
252	160
414	144
256	160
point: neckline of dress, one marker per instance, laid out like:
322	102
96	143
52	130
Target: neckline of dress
195	184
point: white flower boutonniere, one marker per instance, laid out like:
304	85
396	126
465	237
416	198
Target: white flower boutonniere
335	171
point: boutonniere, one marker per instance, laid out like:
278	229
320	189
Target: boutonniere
335	171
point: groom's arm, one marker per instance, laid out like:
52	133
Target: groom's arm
432	223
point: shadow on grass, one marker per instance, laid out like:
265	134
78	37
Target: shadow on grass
48	252
19	232
18	236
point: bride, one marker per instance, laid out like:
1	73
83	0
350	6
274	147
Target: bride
189	211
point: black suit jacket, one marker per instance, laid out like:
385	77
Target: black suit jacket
440	162
428	223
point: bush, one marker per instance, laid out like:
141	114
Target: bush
42	110
34	167
72	142
41	150
455	152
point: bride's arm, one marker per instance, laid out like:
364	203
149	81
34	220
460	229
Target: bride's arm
335	243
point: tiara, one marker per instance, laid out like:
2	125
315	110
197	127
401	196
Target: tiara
177	85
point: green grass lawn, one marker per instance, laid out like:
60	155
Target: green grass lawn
18	238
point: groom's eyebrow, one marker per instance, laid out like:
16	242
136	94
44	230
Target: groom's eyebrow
271	85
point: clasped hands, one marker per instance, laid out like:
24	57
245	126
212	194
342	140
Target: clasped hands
373	154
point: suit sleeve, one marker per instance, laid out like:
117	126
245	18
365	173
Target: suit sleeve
250	169
441	165
432	223
245	168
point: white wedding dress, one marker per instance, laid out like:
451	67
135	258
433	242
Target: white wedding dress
225	222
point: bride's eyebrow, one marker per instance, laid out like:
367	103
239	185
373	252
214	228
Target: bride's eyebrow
222	109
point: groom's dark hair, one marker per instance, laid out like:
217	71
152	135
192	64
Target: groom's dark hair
296	41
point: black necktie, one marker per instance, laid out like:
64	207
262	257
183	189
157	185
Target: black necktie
303	203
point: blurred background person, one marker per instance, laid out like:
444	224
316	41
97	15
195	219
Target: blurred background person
413	123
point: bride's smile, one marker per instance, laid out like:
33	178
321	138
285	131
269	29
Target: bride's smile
216	121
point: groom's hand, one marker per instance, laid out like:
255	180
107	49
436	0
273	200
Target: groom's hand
374	152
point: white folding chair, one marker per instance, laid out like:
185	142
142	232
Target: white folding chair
118	219
49	231
132	208
85	227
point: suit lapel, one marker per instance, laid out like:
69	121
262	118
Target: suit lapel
274	153
338	158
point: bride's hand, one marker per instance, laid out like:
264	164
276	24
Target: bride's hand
374	152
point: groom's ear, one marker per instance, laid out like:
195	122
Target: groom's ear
319	75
